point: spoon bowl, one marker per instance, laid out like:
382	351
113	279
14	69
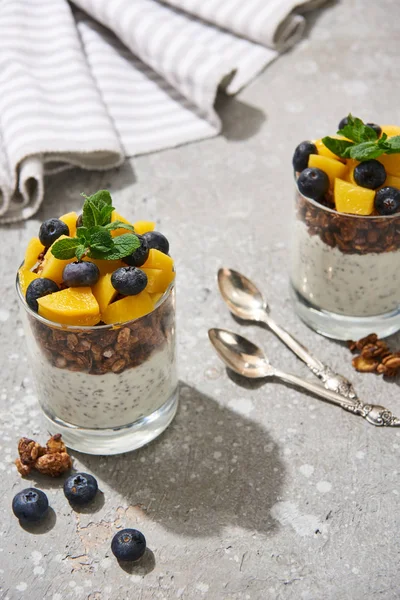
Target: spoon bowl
241	355
241	295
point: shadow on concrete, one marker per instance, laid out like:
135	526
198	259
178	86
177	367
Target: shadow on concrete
142	567
43	526
240	121
212	468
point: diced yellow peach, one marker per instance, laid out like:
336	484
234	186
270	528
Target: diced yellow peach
115	216
156	297
32	252
25	276
142	227
158	260
70	220
53	267
353	199
391	162
104	292
72	306
106	266
392	181
351	164
158	279
128	308
333	168
391	130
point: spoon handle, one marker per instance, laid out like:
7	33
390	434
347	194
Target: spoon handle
331	380
373	413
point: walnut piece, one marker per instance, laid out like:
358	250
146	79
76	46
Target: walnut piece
52	460
375	356
53	464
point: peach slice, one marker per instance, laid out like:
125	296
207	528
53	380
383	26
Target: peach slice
142	227
72	306
53	267
353	199
333	168
70	220
104	292
158	280
34	248
25	276
128	308
158	260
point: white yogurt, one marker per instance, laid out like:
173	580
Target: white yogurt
360	285
110	400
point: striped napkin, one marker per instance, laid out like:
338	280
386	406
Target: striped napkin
91	82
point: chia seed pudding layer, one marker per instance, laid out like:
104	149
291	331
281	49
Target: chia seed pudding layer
104	376
109	400
359	285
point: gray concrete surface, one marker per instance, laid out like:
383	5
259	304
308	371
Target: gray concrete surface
253	492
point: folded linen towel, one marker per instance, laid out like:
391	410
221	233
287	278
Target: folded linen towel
92	82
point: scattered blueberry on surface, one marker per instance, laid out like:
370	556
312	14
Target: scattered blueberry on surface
138	256
370	174
343	122
157	240
37	289
375	128
51	230
79	274
301	155
387	200
129	281
313	183
80	488
30	505
128	544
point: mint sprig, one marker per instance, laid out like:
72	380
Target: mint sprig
364	143
94	239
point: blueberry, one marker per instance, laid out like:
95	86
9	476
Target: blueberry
375	128
30	505
37	289
79	274
313	183
370	174
129	281
387	200
301	155
80	488
343	122
157	240
138	256
51	230
79	221
128	544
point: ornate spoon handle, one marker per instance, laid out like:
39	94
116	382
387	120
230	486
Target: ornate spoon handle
373	413
331	380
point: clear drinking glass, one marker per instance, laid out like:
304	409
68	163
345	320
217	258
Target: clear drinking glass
110	388
345	271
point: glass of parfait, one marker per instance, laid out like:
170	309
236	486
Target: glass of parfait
102	350
345	263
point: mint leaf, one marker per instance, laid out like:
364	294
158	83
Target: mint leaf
65	249
105	214
83	233
100	239
338	147
366	151
119	225
123	246
392	145
90	214
101	198
356	130
80	252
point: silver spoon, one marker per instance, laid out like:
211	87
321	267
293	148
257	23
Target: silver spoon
245	358
246	302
